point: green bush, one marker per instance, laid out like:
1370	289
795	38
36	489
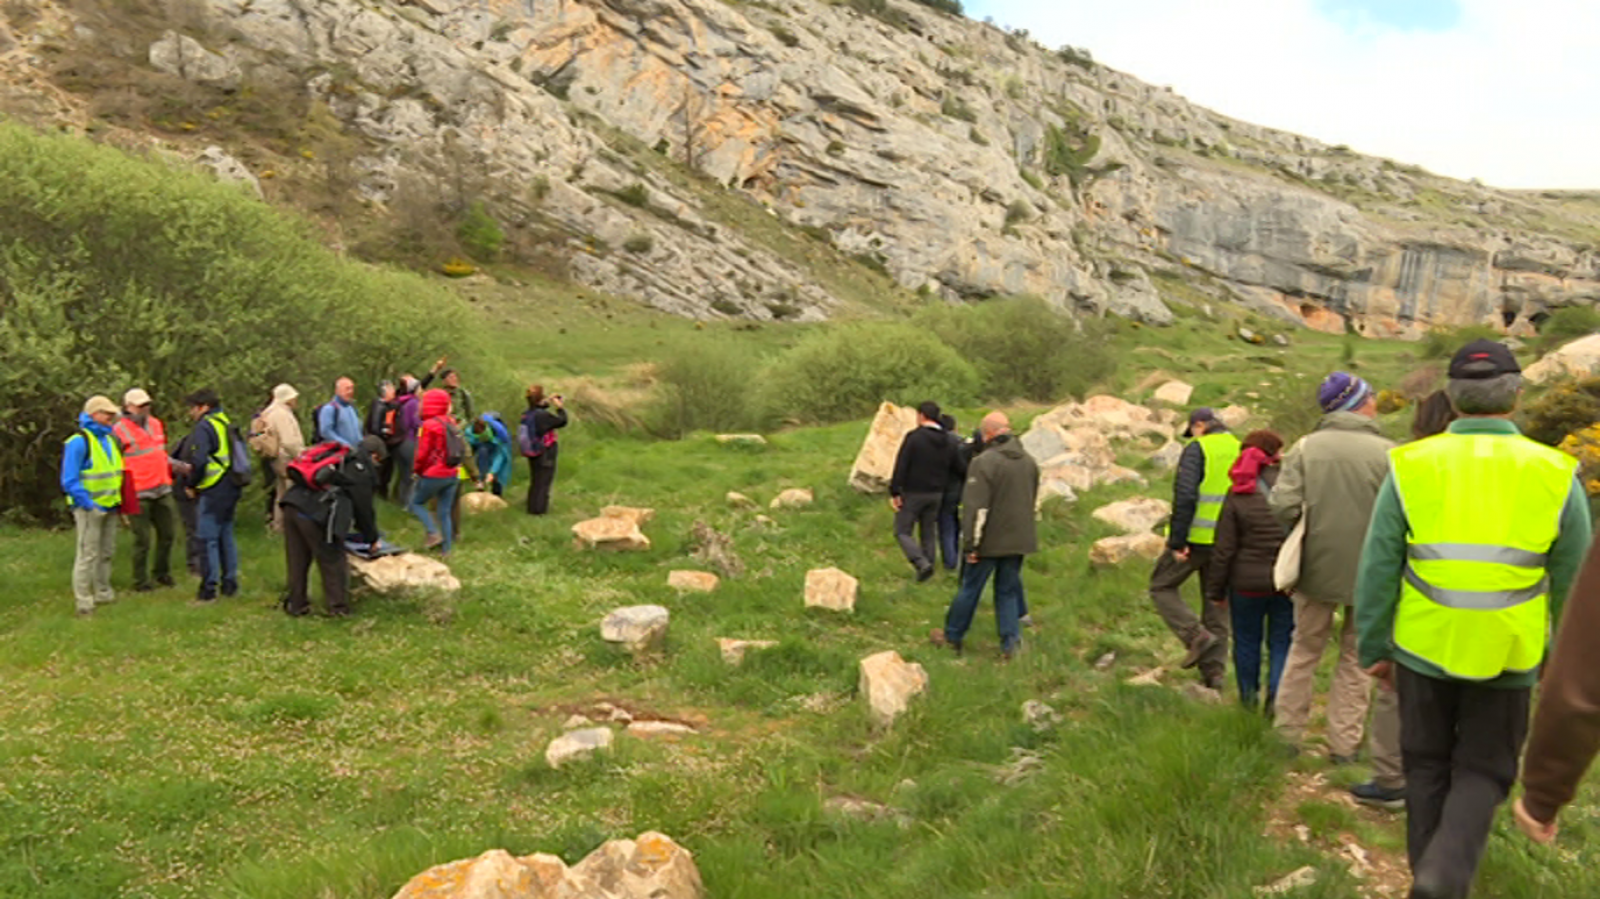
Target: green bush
703	387
1568	323
1565	409
480	234
116	272
845	372
953	7
1290	407
1024	348
1442	343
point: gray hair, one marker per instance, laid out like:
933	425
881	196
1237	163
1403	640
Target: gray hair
1485	396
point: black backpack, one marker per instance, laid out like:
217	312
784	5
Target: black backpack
316	425
239	469
455	445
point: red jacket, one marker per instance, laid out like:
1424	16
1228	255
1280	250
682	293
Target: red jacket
430	441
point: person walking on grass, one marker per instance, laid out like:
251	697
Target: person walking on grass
337	419
319	515
216	492
997	531
927	462
1476	537
143	440
438	470
1387	788
275	436
1241	575
538	443
91	477
1198	493
950	505
1331	479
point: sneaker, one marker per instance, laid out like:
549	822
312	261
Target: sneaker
1026	620
937	638
924	573
1201	645
434	540
1393	798
205	595
296	611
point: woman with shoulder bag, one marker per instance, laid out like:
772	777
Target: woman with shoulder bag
536	438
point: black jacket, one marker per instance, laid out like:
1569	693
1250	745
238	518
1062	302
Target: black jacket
964	453
1248	539
541	420
927	462
345	504
376	413
201	445
1186	491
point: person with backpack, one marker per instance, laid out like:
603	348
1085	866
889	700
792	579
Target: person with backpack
383	421
491	448
219	463
441	449
330	494
337	419
408	421
275	436
536	438
92	478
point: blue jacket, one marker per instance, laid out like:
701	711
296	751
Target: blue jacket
493	452
340	421
75	458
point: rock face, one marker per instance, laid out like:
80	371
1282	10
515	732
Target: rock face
692	581
889	683
733	650
793	498
226	168
1135	516
1173	393
1117	550
651	867
830	588
874	464
1578	359
181	55
577	745
403	573
619	534
481	501
637	628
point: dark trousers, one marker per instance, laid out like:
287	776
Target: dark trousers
304	541
1007	572
405	457
915	527
194	549
160	515
542	478
214	521
1166	583
950	531
1257	619
1460	742
386	470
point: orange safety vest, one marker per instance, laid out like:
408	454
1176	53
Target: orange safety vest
144	453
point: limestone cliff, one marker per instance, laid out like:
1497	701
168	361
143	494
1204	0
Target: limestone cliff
957	158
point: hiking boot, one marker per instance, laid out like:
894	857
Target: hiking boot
924	573
205	595
230	588
1007	653
166	581
434	541
1212	682
1201	645
339	613
143	588
1392	798
937	638
296	611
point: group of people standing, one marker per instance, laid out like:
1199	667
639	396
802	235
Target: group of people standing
410	446
1442	564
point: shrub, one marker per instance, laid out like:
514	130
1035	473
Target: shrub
1076	56
1442	343
1584	445
639	243
1022	347
117	272
784	36
1019	211
1290	407
845	372
1565	409
635	194
480	234
957	108
1568	323
1391	401
703	387
953	7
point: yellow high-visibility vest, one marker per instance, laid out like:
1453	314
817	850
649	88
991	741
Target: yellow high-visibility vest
103	475
1482	512
222	459
1220	451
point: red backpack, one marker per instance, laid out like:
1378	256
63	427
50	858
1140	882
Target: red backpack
312	468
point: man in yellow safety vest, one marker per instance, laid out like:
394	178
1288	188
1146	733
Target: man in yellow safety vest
1475	539
91	477
1197	493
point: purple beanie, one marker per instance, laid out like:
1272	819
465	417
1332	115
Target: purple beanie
1342	392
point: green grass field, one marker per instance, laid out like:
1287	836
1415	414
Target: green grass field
160	749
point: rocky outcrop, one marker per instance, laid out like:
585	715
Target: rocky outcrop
181	55
1135	516
651	867
403	573
1073	443
889	683
1578	359
874	464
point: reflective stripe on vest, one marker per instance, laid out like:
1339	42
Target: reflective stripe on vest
1483	511
1219	451
146	453
218	464
102	477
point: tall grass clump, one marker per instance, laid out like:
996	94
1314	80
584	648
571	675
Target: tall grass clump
703	388
1024	348
845	372
117	271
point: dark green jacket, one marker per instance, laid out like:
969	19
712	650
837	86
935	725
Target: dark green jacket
1002	487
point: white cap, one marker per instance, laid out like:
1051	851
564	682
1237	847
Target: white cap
135	397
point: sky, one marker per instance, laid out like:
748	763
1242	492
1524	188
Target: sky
1507	91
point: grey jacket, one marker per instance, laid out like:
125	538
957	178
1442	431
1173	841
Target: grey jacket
1002	486
1334	474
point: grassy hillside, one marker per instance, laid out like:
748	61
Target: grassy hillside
164	750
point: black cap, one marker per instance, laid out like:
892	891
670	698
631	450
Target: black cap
929	410
1204	413
1483	359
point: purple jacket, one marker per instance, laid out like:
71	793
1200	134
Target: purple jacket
410	417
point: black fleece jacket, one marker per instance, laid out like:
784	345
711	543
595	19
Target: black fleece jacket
927	462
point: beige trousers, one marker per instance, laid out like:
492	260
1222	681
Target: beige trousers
91	570
1383	740
1352	688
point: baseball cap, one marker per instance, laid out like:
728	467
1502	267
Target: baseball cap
136	397
1204	413
99	403
1483	359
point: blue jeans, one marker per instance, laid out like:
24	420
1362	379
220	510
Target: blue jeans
1007	572
950	534
214	527
426	489
1257	618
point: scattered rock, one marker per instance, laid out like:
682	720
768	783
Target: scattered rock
889	683
714	548
648	729
1578	359
651	867
577	745
1023	765
740	501
766	521
1173	393
1203	693
1073	443
1249	336
1235	417
481	501
1054	488
1166	458
865	810
403	573
614	712
733	650
874	463
1039	716
692	581
1135	516
616	534
1299	880
181	55
576	722
228	169
793	498
1151	678
830	588
636	627
1117	550
741	439
639	517
1280	339
1105	662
